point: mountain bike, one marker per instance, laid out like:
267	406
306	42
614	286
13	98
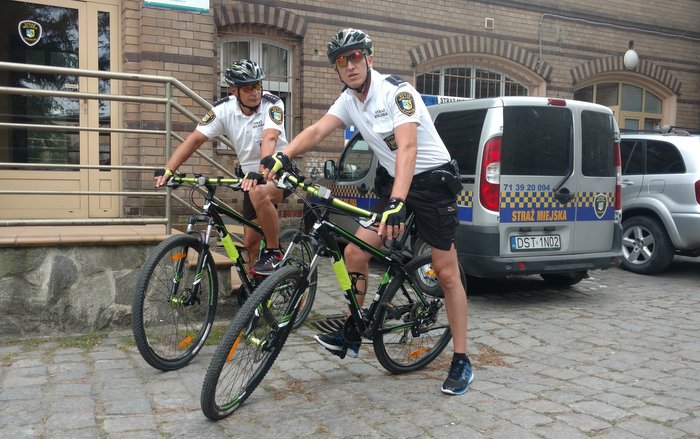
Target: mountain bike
406	321
176	295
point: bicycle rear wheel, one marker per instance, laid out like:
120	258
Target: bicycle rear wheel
302	253
413	327
174	305
251	344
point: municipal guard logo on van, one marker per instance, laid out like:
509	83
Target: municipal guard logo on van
600	204
405	102
276	115
29	32
208	118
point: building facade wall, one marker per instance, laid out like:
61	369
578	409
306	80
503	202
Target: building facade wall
554	46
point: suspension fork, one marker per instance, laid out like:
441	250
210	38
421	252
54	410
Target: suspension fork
201	262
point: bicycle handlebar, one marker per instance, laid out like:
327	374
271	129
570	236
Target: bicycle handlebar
326	195
200	180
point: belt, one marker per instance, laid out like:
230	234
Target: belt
422	180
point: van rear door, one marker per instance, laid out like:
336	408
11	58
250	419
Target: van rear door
538	180
595	201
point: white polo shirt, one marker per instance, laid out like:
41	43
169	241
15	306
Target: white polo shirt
245	132
387	106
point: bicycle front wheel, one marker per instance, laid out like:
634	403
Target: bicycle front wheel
174	303
251	344
302	253
413	327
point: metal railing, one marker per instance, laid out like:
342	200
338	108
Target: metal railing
171	105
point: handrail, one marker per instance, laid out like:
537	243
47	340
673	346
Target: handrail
172	106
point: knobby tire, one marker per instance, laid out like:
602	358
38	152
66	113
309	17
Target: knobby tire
251	344
170	326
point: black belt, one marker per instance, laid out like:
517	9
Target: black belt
422	180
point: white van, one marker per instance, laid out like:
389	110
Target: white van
541	181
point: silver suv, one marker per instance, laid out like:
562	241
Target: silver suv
660	198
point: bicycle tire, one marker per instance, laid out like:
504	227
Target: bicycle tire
251	345
303	252
411	333
170	330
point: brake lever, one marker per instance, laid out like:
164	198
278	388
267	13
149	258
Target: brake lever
368	222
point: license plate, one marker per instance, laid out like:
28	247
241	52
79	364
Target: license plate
535	242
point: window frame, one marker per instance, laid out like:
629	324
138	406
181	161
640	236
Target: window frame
476	81
255	45
626	119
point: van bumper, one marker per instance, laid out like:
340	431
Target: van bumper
478	252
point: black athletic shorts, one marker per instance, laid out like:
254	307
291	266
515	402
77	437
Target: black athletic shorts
435	210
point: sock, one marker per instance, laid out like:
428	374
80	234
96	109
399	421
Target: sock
456	357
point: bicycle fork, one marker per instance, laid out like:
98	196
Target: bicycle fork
192	296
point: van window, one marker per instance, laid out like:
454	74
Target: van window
355	162
597	139
536	140
461	133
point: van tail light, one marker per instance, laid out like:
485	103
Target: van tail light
618	179
556	102
490	180
697	191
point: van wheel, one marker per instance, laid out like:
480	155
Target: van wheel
646	247
564	279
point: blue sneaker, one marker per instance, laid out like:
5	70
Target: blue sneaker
335	341
459	378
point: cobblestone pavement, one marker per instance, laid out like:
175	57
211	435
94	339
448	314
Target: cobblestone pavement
616	356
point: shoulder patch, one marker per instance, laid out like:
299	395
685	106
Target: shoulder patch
208	118
404	101
395	79
271	98
276	114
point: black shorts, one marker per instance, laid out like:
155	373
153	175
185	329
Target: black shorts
249	210
435	210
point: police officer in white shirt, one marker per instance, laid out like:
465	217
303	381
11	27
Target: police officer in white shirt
395	122
253	120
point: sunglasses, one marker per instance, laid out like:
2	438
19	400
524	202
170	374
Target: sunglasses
248	88
343	60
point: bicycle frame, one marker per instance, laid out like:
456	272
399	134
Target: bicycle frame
322	239
211	214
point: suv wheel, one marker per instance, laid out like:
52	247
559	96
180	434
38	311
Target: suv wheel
646	247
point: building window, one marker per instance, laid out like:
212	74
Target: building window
468	82
272	56
635	107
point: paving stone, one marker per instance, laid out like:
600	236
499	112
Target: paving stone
611	357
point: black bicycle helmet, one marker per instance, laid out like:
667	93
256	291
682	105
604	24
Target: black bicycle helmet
348	39
243	72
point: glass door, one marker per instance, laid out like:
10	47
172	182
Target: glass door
59	33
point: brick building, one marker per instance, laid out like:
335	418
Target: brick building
562	48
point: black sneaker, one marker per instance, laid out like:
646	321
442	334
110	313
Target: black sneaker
335	341
269	260
459	377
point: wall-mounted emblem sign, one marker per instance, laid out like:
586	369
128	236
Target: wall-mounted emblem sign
29	32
